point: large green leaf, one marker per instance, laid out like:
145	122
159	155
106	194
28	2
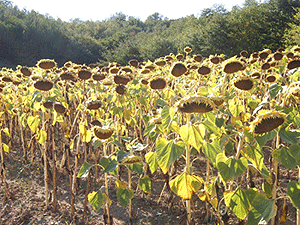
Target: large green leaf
166	118
168	152
192	135
287	156
263	139
262	210
145	184
274	90
109	165
229	168
239	201
211	124
293	189
254	154
211	150
184	185
97	199
289	136
124	195
84	169
152	161
137	167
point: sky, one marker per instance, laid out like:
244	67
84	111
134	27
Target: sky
100	10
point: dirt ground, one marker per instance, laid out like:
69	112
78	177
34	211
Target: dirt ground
25	202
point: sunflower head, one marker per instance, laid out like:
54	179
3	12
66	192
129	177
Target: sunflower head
187	50
134	63
178	69
271	78
68	75
25	71
48	104
203	70
114	70
121	89
264	54
293	64
266	121
255	75
160	62
195	104
46	64
179	56
158	83
277	56
93	104
214	59
244	53
244	83
233	65
84	74
43	85
103	132
198	58
122	78
265	66
60	108
98	76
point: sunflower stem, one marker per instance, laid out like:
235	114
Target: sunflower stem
188	153
106	185
298	211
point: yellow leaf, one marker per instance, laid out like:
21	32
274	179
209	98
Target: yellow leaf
5	148
121	184
184	185
127	114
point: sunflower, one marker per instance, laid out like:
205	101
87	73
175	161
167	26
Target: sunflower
48	104
264	54
121	89
214	59
244	83
122	78
134	63
187	50
43	85
179	56
266	121
98	76
84	74
60	108
26	71
255	75
293	64
277	56
68	76
103	132
96	123
265	66
198	58
243	53
160	62
158	83
114	70
232	65
93	104
271	78
195	104
46	64
178	69
203	70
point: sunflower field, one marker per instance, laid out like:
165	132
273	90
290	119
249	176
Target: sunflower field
221	134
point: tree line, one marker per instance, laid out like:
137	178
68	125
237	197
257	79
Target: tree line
27	36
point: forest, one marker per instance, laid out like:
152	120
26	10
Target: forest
27	36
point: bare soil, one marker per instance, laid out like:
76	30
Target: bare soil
24	203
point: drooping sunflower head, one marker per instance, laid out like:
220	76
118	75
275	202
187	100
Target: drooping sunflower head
46	64
121	89
98	76
179	56
264	54
293	64
43	85
178	69
266	121
26	71
158	83
198	58
60	108
277	56
244	83
244	53
195	104
84	74
214	59
204	70
134	63
233	65
187	50
103	132
48	104
68	75
271	78
93	104
255	75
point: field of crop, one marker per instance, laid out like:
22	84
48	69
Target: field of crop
181	140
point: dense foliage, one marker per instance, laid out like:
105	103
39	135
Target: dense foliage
27	36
